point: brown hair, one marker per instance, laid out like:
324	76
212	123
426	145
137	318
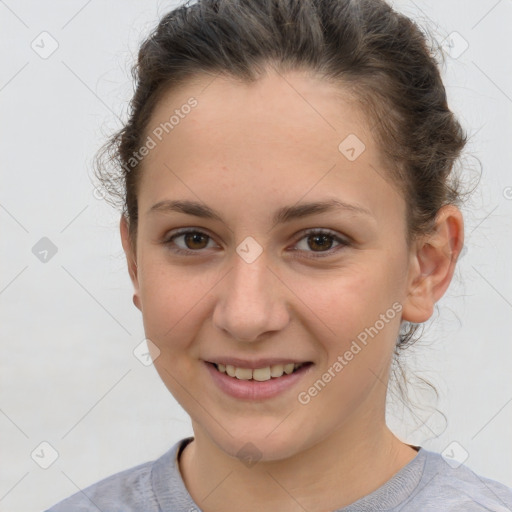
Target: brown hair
378	55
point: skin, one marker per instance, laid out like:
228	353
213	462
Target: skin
245	151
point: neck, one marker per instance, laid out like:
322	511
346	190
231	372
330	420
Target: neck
332	474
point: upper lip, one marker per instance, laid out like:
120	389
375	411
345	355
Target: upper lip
254	363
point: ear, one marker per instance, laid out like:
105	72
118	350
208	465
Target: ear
432	264
131	259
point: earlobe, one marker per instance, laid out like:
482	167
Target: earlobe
433	260
130	259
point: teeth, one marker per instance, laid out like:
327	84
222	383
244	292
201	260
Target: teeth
288	368
243	373
259	374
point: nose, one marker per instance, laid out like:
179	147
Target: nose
252	301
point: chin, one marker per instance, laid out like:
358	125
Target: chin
264	443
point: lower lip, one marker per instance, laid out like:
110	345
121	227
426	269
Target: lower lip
253	389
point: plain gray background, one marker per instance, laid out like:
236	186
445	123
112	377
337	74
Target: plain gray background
68	326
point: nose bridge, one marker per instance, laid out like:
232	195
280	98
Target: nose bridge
249	304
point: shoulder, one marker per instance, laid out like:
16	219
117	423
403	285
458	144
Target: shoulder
455	487
127	491
122	491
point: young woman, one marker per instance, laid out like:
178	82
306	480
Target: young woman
289	218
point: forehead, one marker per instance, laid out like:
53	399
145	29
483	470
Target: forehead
292	107
283	130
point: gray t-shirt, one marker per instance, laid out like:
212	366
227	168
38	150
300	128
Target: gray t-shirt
427	483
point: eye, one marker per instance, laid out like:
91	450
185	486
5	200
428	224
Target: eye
193	239
319	240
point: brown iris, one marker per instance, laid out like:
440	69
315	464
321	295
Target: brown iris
195	238
322	241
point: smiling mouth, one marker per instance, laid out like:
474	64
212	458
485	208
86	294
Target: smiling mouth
259	374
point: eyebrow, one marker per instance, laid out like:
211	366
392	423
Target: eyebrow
284	214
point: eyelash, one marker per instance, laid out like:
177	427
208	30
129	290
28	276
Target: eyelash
320	254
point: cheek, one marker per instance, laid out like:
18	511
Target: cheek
362	307
170	300
363	311
171	305
353	300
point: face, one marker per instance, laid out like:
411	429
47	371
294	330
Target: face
267	279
